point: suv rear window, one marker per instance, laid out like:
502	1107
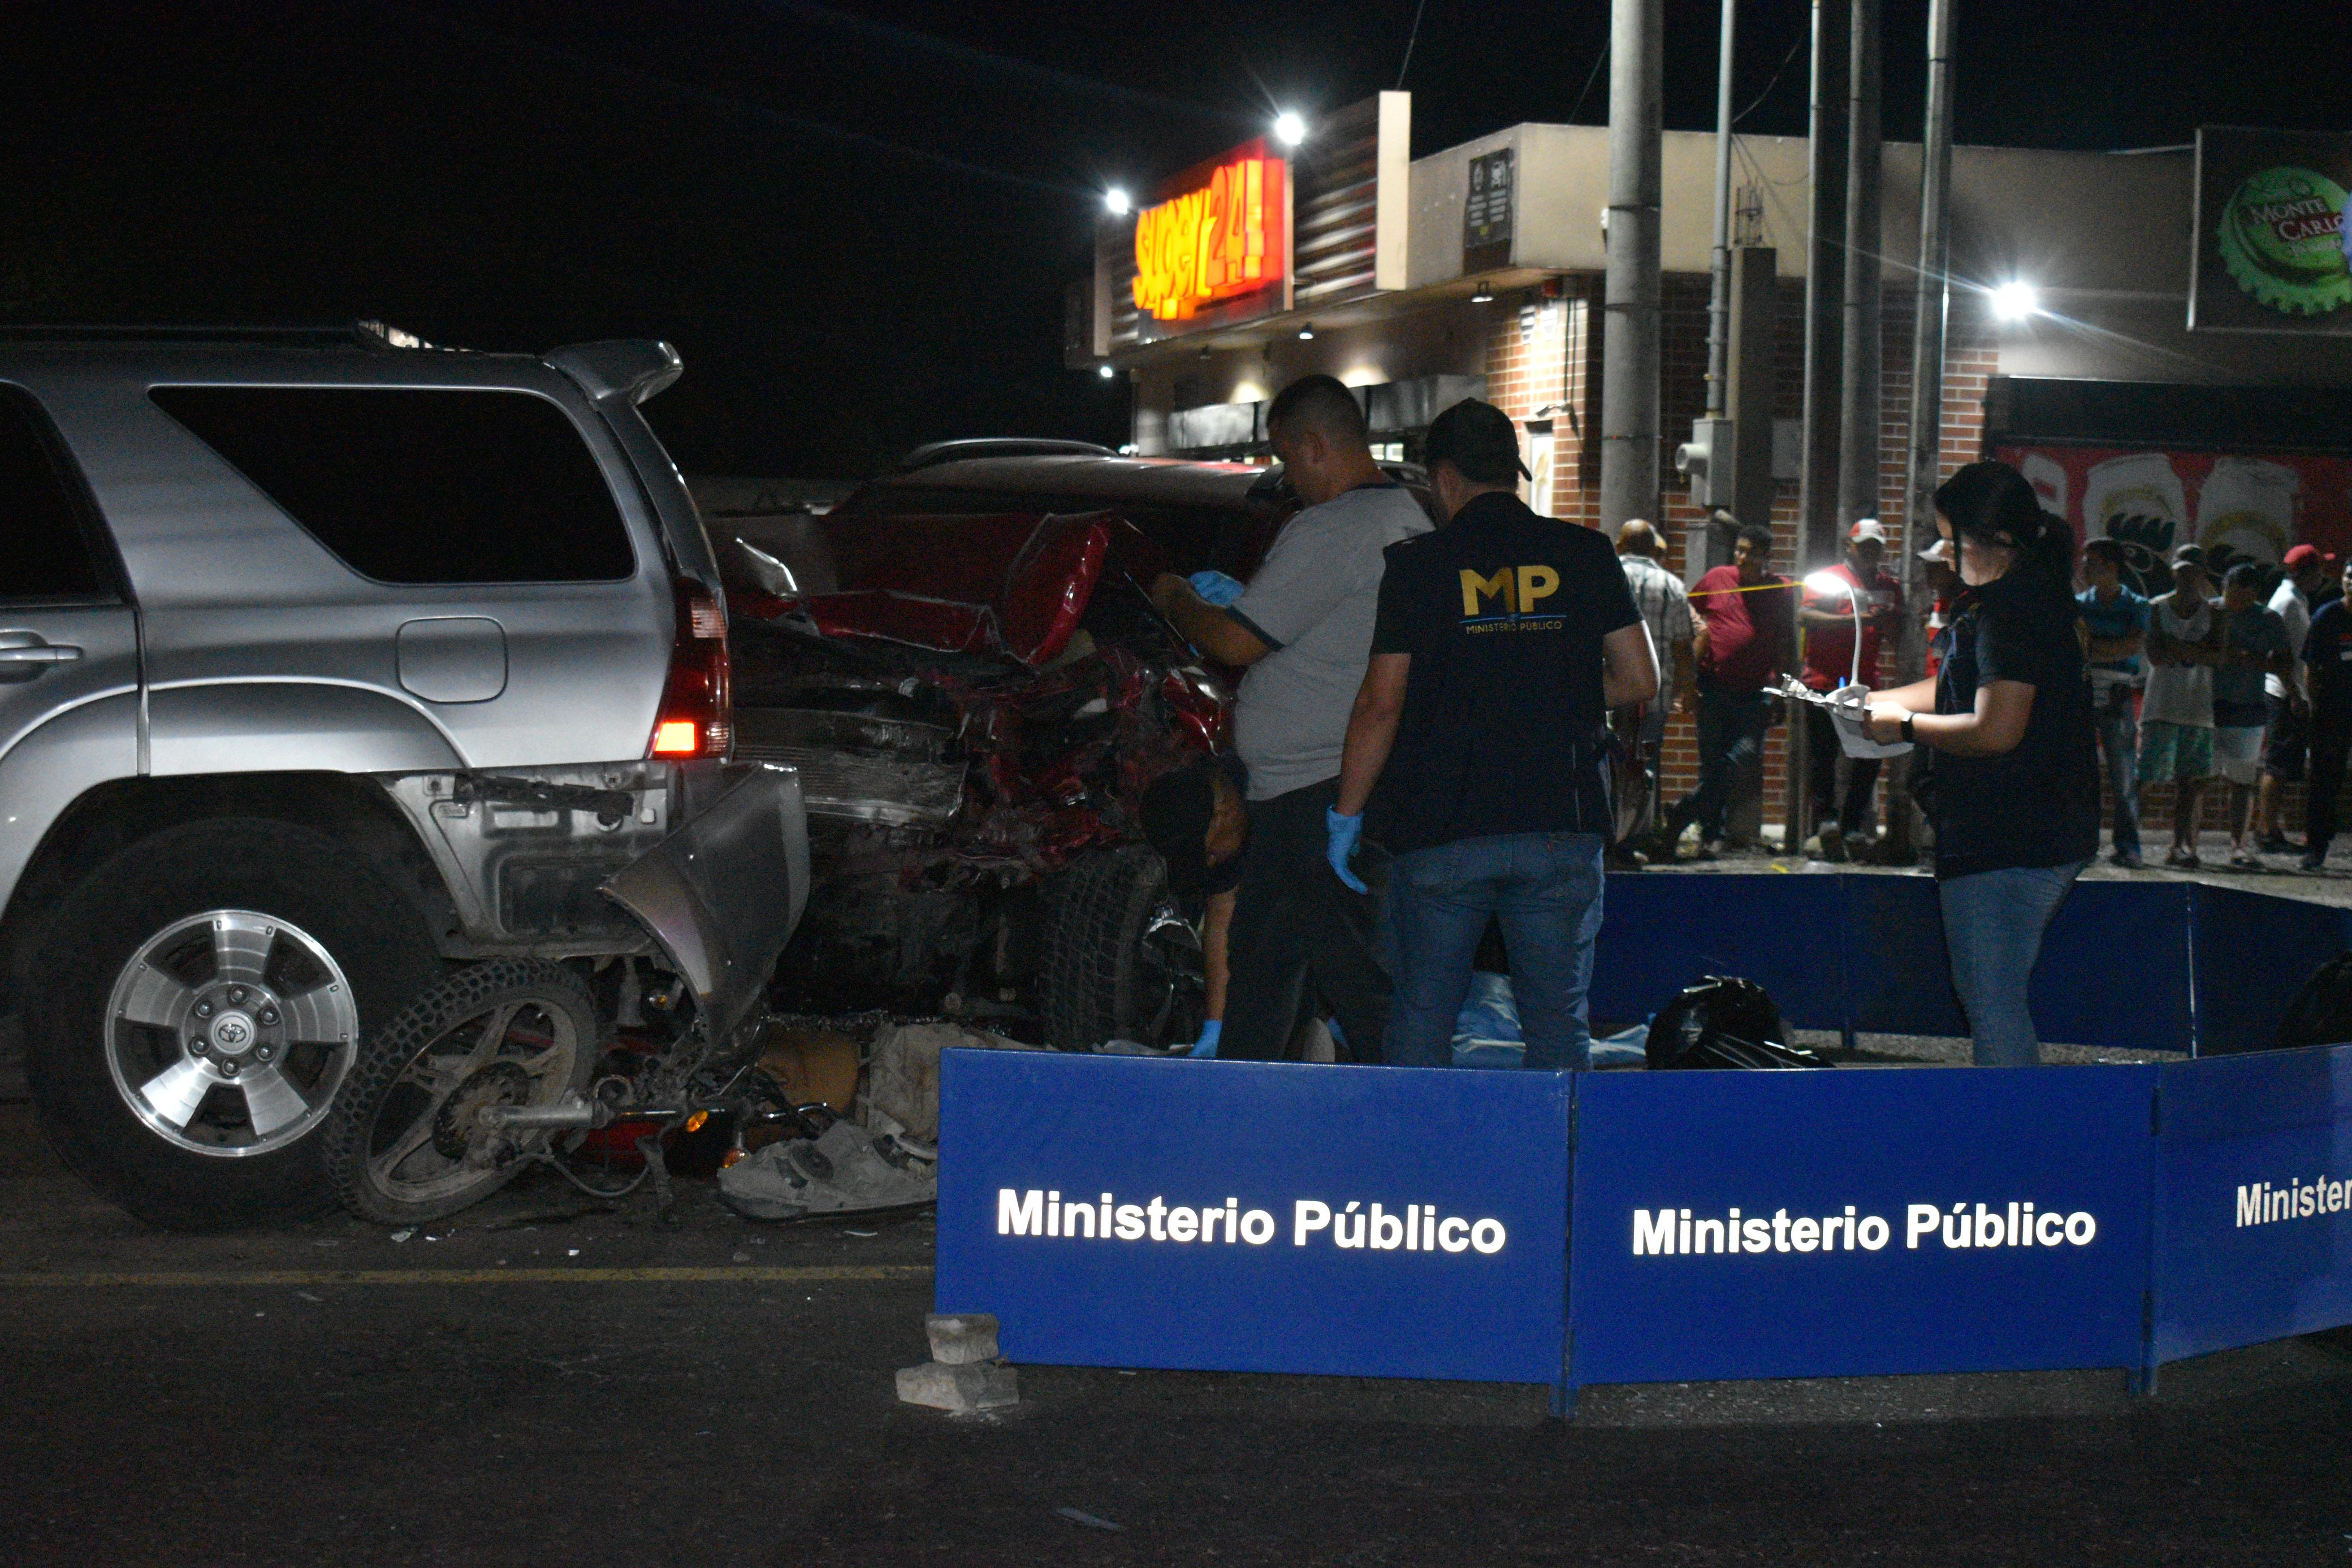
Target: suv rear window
47	551
421	486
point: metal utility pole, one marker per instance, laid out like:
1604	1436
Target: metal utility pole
1932	309
1934	302
1858	436
1629	355
1718	306
1817	541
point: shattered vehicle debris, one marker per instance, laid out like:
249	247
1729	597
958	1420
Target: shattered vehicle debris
962	663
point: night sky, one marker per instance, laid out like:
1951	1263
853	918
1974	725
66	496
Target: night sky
857	223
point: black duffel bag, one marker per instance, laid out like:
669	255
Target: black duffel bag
1723	1023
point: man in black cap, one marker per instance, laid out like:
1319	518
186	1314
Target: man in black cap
1501	640
1197	817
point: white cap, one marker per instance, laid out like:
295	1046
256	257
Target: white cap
1866	528
1940	551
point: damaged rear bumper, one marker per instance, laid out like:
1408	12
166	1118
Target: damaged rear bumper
705	864
723	894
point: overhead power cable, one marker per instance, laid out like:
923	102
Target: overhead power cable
1773	83
1590	77
1411	39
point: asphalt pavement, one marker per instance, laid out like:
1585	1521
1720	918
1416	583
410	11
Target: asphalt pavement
551	1379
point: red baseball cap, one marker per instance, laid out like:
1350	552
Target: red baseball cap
2302	556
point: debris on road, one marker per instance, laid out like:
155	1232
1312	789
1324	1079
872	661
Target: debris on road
902	1078
1091	1521
851	1169
811	1065
959	1339
964	1373
959	1390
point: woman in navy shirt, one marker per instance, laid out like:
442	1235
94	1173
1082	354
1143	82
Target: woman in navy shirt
2010	755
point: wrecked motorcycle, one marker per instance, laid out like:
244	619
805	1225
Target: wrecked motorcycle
512	1063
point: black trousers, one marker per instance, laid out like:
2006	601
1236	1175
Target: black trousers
1821	753
2331	739
1731	726
1301	940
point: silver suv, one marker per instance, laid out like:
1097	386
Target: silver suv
328	661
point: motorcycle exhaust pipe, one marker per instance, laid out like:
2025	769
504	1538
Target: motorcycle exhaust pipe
573	1110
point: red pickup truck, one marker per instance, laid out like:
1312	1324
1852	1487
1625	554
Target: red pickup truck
960	660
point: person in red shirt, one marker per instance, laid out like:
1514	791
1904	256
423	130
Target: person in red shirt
1832	598
1745	631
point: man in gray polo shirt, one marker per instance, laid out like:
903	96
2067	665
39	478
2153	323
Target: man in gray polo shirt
1301	941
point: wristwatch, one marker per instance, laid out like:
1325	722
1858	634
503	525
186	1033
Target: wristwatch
1906	728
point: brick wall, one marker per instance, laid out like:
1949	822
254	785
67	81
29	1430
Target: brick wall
1559	361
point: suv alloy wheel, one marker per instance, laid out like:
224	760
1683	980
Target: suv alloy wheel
196	1006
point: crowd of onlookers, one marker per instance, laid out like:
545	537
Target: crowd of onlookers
2236	696
2220	682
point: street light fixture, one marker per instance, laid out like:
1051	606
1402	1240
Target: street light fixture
1290	127
2015	301
1483	294
1105	371
1115	202
1306	332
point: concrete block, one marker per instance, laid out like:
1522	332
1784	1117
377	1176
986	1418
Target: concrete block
958	1339
974	1385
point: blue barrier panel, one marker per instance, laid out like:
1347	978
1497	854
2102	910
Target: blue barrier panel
1905	1158
1372	1221
1898	977
1867	952
2114	968
2254	1213
1660	932
2252	954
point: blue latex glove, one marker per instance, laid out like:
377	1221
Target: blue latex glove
1216	588
1206	1046
1344	831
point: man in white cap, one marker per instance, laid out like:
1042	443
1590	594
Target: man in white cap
1858	588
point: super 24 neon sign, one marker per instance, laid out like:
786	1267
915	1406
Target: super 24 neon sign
1222	234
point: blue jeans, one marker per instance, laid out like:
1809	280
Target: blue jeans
1993	923
1546	890
2119	744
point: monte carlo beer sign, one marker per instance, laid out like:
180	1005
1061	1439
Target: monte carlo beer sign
1216	245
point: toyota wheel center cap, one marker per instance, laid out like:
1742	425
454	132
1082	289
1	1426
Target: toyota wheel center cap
233	1032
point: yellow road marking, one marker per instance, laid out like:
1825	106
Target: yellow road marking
753	1275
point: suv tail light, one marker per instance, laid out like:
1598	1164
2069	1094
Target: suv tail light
698	710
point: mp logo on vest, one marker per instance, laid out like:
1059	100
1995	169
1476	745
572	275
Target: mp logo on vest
1516	590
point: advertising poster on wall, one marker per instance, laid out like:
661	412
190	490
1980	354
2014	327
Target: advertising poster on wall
2239	507
1487	210
2273	253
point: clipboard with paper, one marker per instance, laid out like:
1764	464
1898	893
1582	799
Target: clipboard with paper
1849	710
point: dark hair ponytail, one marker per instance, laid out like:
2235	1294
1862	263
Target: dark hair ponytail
1991	504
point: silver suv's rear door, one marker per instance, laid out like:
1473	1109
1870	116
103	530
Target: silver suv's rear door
68	638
